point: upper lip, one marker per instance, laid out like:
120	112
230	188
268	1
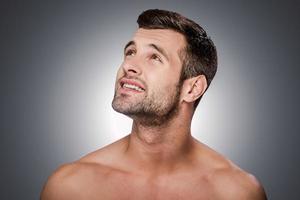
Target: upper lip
131	82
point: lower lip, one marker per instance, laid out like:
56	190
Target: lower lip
128	90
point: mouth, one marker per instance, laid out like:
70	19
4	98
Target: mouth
128	84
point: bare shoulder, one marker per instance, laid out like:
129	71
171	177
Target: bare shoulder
228	181
69	180
108	155
72	180
234	183
60	184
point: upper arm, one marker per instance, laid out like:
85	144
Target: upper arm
239	185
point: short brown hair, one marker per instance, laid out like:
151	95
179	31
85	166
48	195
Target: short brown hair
200	54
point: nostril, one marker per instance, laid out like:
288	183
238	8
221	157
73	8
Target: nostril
132	70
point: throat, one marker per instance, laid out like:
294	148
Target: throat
159	148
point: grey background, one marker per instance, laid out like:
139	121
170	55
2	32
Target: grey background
58	65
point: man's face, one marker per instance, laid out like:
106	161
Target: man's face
147	84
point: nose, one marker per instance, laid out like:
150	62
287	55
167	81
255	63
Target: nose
132	66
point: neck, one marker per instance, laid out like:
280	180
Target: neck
161	148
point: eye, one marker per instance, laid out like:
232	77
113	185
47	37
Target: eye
156	58
129	52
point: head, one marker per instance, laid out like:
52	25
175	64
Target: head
166	51
199	56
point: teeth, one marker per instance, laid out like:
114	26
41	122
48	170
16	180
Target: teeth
126	85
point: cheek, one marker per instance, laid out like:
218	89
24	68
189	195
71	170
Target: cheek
120	73
162	83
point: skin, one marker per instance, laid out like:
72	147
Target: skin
156	160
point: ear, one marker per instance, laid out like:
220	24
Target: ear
193	88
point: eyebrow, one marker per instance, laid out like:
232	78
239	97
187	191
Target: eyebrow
156	47
129	44
160	50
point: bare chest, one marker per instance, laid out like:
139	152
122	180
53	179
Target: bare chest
125	188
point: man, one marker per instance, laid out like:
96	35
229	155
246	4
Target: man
168	65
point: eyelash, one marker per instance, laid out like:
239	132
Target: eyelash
129	52
154	56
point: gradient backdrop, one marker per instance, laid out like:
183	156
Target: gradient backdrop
58	66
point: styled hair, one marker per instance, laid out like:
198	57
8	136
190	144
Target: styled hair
199	57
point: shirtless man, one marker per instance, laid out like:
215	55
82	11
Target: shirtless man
167	67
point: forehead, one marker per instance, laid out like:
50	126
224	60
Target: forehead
168	39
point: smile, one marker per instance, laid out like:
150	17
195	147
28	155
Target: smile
128	84
133	87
